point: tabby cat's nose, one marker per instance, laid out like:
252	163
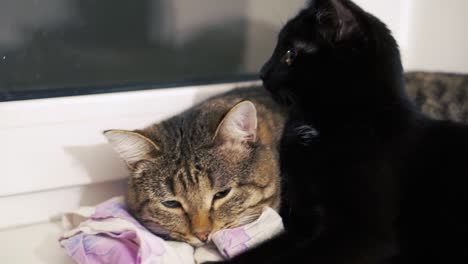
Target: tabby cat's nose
203	235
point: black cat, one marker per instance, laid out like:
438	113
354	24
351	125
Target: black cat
380	183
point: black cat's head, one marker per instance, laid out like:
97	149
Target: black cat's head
327	45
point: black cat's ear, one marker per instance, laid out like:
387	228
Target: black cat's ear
131	146
336	22
238	128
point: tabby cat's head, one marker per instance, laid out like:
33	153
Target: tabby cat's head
323	48
196	173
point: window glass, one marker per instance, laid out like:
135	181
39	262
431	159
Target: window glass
65	47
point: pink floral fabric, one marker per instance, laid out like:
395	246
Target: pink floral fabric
107	233
234	241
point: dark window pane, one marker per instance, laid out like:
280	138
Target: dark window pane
65	47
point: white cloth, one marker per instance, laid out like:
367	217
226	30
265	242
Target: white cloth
107	233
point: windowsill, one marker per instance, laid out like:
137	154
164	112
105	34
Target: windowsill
35	244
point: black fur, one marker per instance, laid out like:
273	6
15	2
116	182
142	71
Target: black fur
380	183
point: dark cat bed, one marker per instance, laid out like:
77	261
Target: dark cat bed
439	95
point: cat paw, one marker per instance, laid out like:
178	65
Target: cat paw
306	134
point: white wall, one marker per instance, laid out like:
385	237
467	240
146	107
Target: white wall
438	35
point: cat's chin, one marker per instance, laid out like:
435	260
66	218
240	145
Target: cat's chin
279	94
194	242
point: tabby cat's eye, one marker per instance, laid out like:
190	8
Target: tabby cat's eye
222	194
172	204
289	57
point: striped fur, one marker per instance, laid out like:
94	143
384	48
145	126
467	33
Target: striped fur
190	167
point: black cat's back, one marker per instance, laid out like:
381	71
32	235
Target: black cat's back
433	218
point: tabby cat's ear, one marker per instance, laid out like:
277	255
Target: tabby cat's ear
239	126
336	21
131	146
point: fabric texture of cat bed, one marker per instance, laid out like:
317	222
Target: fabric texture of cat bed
107	233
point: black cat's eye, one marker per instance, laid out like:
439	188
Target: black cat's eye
289	57
172	204
222	194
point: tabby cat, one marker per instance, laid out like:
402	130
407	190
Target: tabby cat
369	178
214	166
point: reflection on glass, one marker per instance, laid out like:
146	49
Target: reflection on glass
65	47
